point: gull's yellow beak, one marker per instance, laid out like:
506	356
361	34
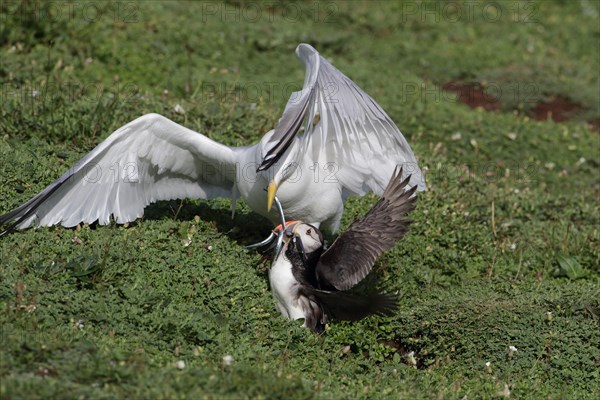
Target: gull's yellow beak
272	189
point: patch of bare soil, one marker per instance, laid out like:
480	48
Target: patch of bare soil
473	95
556	108
595	124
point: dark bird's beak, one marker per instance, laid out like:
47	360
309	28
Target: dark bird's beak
297	241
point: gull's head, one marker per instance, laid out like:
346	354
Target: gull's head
280	173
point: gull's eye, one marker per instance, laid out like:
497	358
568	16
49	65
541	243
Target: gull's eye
308	232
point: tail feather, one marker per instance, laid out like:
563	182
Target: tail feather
349	307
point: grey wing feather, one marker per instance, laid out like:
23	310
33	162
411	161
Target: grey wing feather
151	158
344	126
295	111
352	255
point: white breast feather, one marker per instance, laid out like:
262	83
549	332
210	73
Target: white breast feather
285	289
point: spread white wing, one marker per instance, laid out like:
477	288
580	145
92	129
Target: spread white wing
345	131
151	158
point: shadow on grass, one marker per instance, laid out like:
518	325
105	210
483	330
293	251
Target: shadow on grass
244	228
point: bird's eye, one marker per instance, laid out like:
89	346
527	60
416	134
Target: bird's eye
308	232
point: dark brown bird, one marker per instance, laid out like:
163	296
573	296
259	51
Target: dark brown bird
311	284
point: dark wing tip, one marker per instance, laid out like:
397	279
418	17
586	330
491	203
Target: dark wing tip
397	184
267	162
8	230
26	210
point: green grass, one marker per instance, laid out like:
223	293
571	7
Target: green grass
507	233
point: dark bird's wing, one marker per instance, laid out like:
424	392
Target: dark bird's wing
151	158
352	255
344	128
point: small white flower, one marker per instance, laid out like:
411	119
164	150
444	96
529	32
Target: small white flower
511	135
550	165
180	364
549	316
488	367
511	350
410	357
505	392
79	324
512	246
227	360
456	136
178	109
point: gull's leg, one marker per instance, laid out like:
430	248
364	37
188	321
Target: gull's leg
280	211
271	237
281	233
278	232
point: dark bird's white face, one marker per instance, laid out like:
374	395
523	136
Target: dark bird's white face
311	237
